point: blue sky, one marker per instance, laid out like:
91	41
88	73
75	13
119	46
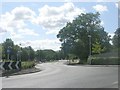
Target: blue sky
37	23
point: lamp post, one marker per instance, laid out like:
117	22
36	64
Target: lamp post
20	51
89	36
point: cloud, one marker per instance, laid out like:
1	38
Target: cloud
16	36
17	23
111	34
52	32
55	18
2	30
27	31
100	0
41	44
14	22
100	8
21	13
102	23
116	4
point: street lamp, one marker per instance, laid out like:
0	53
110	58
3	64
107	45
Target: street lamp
19	53
89	36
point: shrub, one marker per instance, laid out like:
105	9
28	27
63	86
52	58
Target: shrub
105	61
27	64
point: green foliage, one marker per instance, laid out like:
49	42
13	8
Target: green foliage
47	55
105	61
27	64
0	52
60	55
97	48
16	52
72	56
74	36
116	38
8	44
108	58
27	53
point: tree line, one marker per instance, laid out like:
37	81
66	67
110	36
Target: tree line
10	51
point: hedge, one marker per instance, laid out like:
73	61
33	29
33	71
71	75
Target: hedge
104	61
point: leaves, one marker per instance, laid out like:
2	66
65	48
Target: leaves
74	36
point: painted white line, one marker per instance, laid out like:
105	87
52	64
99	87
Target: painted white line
17	65
115	82
10	65
2	66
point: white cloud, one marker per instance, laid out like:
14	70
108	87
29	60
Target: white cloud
116	4
16	36
2	30
102	23
100	8
52	32
27	31
41	44
21	13
54	18
14	22
111	34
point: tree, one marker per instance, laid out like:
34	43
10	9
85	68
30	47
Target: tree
60	55
24	54
0	51
116	38
40	55
74	36
7	48
97	48
46	55
28	54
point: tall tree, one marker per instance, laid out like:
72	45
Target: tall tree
74	36
8	46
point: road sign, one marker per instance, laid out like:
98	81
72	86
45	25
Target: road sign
10	65
8	51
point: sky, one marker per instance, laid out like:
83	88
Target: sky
36	24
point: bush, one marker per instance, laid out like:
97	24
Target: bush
105	61
27	64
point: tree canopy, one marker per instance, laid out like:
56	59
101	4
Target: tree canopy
116	38
16	52
74	36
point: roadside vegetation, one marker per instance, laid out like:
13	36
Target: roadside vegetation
27	64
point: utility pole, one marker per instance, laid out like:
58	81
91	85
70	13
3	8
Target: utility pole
90	49
89	45
20	51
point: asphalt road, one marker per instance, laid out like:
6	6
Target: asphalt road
59	75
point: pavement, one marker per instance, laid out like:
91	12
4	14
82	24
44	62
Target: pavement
59	75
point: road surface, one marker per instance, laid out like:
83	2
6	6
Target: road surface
59	75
